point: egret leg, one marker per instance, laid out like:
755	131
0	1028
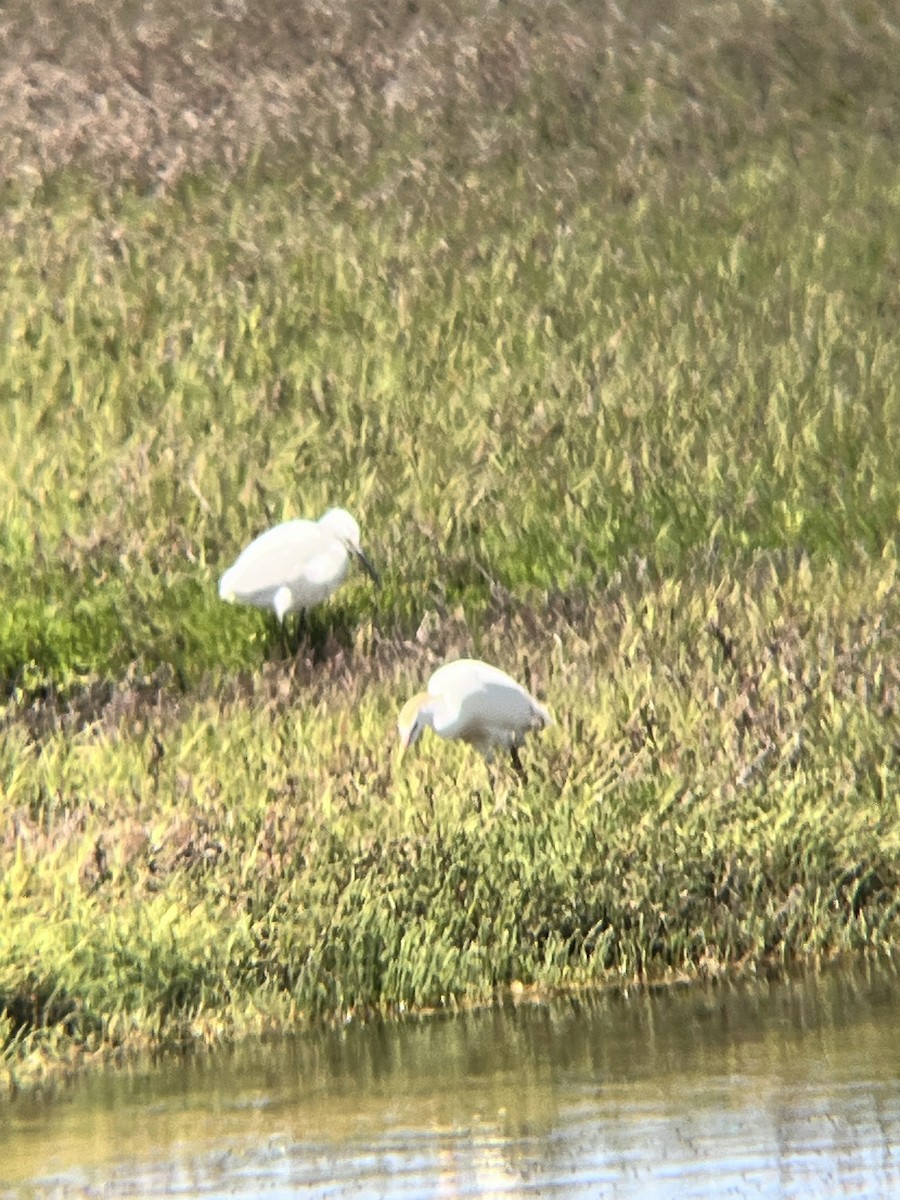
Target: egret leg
517	764
302	630
285	645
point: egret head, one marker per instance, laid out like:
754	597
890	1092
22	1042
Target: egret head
339	523
414	716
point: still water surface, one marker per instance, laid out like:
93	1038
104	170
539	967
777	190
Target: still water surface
788	1088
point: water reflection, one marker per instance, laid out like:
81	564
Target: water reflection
783	1088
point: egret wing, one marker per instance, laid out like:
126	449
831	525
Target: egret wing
273	559
490	713
466	673
483	705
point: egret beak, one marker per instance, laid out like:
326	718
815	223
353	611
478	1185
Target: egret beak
367	567
409	723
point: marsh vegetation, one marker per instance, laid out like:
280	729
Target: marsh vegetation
589	315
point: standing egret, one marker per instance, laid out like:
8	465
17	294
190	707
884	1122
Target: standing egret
475	703
295	565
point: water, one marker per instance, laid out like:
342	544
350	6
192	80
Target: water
787	1089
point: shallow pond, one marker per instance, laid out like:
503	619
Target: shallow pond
786	1088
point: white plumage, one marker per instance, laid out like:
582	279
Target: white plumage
473	702
295	565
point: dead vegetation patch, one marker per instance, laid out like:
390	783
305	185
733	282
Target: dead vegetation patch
159	91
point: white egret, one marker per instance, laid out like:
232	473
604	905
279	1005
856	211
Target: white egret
296	564
473	702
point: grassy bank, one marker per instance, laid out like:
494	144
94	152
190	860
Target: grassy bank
593	325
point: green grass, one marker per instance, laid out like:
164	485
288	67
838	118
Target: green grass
605	362
646	383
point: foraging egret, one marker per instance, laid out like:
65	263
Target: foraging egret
296	564
476	703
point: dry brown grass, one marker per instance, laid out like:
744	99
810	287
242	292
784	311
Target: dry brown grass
159	90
